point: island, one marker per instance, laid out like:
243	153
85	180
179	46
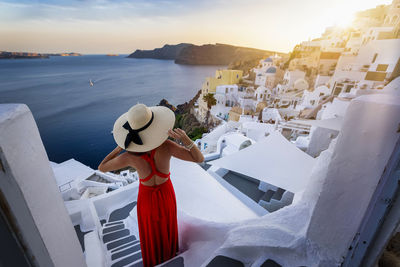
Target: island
21	55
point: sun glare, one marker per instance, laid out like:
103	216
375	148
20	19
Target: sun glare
344	20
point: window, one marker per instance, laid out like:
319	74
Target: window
375	56
382	67
226	90
337	90
312	102
348	88
375	76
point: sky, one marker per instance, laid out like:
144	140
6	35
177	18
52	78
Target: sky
122	26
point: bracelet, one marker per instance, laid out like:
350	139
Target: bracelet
190	146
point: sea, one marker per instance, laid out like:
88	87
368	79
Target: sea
75	118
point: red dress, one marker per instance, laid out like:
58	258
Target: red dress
157	218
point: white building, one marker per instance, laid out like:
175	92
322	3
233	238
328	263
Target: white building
289	78
226	96
393	15
263	94
374	64
266	72
376	33
321	80
354	42
312	98
266	78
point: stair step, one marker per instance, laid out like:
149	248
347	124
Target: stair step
125	246
120	242
113	223
176	262
122	213
123	253
137	264
223	261
270	263
113	228
127	260
278	194
115	235
267	196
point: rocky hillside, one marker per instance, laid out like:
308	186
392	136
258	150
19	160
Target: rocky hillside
245	65
218	54
166	52
209	54
184	119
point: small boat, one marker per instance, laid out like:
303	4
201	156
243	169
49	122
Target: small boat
90	82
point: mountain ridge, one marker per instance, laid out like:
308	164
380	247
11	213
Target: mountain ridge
207	54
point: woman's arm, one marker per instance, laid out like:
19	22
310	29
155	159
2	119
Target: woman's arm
113	161
180	152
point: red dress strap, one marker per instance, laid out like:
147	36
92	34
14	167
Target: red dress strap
153	166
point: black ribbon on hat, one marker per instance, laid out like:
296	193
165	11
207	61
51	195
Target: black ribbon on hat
133	135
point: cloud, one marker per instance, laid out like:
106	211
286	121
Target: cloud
95	10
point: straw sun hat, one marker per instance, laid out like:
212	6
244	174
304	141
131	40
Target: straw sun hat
143	128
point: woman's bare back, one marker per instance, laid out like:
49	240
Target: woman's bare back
161	161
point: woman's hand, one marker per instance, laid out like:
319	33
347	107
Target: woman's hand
190	152
180	136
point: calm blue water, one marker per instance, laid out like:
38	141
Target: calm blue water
74	118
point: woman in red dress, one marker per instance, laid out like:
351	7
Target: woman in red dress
143	132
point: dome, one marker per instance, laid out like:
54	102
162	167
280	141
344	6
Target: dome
271	70
300	84
268	59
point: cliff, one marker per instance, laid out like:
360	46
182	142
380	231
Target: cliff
184	119
166	52
218	54
209	54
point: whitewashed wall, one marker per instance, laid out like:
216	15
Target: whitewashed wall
29	188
